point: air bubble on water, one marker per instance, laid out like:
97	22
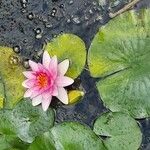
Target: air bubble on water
38	33
54	11
48	25
62	6
25	64
25	41
86	18
70	2
38	30
24	3
68	20
23	10
30	16
76	20
90	11
16	49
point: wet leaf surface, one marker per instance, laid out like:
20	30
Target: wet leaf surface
69	46
120	131
11	77
68	136
120	54
31	121
8	133
25	122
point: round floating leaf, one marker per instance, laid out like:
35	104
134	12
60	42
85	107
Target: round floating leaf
31	121
121	131
68	46
120	53
8	133
11	76
68	136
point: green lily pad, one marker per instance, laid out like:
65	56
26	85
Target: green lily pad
69	46
11	77
31	121
12	143
8	133
120	54
68	136
121	131
43	142
25	121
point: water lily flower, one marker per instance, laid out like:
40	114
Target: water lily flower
47	80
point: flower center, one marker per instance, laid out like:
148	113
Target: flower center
42	80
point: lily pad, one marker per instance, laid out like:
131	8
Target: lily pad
43	142
68	136
119	54
69	46
121	131
12	143
31	121
8	133
11	77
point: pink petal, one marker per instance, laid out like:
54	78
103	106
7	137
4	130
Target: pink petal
46	103
33	65
29	74
43	69
46	59
63	67
54	91
53	67
62	95
46	95
37	100
28	93
29	83
36	91
63	81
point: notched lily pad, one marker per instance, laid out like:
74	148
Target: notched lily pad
120	54
11	77
25	122
121	131
68	136
8	133
31	121
69	46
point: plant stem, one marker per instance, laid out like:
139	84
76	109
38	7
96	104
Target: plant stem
125	8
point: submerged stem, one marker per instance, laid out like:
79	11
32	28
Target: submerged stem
125	8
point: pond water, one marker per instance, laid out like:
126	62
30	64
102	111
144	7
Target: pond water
26	25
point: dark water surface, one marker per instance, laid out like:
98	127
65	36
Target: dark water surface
27	24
